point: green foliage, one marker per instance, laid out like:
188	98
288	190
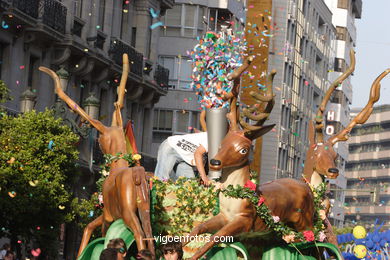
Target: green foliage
37	155
177	205
4	93
340	231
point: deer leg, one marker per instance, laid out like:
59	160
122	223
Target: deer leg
210	226
131	220
88	232
105	227
239	224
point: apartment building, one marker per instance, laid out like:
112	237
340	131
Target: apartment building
368	170
178	111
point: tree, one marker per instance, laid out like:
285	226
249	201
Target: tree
37	166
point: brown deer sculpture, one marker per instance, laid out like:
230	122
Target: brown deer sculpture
291	200
125	191
320	158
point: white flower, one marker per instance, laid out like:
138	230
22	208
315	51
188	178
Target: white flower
276	219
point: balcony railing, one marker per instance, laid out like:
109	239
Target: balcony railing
118	48
161	76
53	14
29	7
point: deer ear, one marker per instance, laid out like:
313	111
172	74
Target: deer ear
252	135
312	138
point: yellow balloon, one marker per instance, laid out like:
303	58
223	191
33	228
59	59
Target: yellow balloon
360	251
359	232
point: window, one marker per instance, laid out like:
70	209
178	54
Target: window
180	69
182	120
343	4
133	36
78	8
163	120
102	7
184	20
32	71
339	65
341	33
124	21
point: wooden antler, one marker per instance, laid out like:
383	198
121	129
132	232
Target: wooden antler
362	117
261	110
232	96
117	116
320	113
57	83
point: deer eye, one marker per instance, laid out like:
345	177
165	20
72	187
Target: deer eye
243	151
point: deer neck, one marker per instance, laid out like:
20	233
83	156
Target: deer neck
235	175
316	179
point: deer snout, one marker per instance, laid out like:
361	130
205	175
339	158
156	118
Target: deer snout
333	173
214	162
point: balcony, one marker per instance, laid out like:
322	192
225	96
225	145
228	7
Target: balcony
53	15
161	76
47	17
118	48
375	173
369	210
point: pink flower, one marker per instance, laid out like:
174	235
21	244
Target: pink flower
322	236
276	219
289	238
309	235
261	201
100	197
250	185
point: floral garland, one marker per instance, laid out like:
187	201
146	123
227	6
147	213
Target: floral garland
273	222
109	158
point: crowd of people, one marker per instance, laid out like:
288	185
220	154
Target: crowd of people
116	250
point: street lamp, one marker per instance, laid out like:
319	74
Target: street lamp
91	106
27	100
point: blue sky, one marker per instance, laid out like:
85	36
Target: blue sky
372	51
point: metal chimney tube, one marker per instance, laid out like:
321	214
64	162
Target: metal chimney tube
217	126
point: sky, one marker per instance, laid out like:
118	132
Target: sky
372	51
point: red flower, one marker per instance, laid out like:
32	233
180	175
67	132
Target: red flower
261	200
250	185
309	235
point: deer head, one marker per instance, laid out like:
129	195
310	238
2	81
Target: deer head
320	158
235	147
111	139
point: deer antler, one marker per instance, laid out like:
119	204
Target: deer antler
233	94
320	113
57	83
362	117
261	110
117	116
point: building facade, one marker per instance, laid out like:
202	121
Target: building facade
84	41
337	115
368	170
178	111
301	51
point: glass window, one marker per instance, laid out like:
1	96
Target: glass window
173	16
182	118
172	31
77	7
343	4
190	15
200	17
341	33
162	119
102	7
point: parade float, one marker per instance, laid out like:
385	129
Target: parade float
282	219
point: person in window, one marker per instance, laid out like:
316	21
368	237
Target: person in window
185	152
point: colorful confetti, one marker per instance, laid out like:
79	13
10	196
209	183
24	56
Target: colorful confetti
214	58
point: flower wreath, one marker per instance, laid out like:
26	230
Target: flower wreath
273	222
109	158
